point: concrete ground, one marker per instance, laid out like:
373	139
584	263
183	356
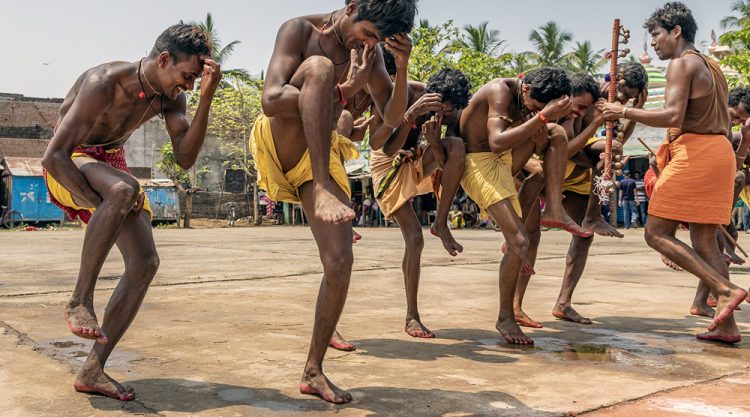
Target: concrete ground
225	328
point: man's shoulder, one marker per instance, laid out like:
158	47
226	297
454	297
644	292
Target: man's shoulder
107	73
296	29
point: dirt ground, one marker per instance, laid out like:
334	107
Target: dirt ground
225	328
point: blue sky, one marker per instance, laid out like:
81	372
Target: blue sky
48	44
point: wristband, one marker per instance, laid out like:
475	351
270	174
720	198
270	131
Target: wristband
542	118
412	124
342	99
624	111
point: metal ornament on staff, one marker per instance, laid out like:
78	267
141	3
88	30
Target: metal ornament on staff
604	184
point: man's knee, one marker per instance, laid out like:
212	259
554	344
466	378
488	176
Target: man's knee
123	193
519	242
318	68
556	132
454	147
144	267
652	239
414	240
338	263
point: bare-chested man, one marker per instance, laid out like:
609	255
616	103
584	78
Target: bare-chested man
433	105
506	121
320	62
87	176
698	165
580	203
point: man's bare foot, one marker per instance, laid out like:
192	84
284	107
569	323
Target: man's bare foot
524	320
415	328
526	267
726	306
445	235
570	314
718	336
81	321
704	310
339	343
329	209
103	384
731	257
355	236
668	262
318	384
512	334
564	222
601	228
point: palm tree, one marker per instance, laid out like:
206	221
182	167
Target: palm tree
221	53
731	22
585	59
482	40
550	41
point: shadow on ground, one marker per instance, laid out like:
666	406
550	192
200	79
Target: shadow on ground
186	396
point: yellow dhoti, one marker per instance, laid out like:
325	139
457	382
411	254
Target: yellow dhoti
488	179
62	198
284	186
581	183
405	179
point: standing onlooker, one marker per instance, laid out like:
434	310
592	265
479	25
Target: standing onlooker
738	215
364	220
627	198
640	198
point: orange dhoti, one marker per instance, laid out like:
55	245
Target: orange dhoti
697	180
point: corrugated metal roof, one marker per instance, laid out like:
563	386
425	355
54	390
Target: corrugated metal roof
155	182
24	167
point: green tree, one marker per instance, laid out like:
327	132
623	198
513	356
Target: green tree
481	39
740	59
584	59
184	180
741	7
233	113
431	49
219	52
550	41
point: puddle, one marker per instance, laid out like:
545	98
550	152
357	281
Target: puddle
236	395
76	352
66	345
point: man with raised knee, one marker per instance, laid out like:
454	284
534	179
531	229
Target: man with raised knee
318	64
506	121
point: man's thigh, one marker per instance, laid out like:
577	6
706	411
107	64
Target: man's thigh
101	177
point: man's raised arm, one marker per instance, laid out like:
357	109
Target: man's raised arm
187	137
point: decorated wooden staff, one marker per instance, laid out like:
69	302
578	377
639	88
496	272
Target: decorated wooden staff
604	184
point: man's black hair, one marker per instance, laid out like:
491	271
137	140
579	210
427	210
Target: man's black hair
584	83
674	14
634	74
739	95
452	85
547	84
390	61
390	17
182	41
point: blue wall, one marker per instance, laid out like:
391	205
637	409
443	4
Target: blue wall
28	195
